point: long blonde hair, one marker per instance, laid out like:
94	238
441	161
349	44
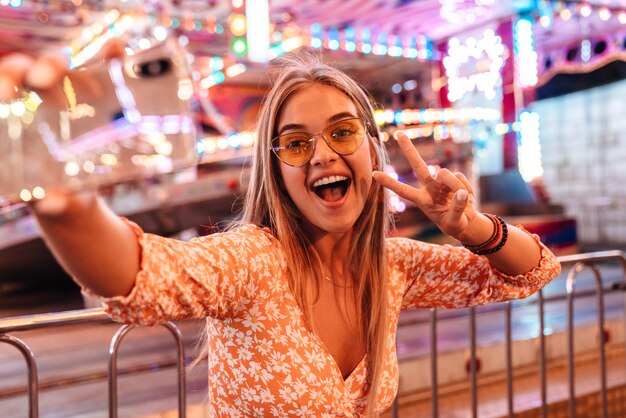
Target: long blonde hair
267	204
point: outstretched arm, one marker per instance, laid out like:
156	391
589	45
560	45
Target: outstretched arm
91	243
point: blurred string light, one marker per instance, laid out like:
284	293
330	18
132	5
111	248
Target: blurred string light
432	116
472	51
525	54
238	27
364	41
566	10
504	128
585	10
90	42
351	40
546	12
23	109
437	132
410	85
212	145
239	46
585	50
529	147
467	11
285	46
219	72
237	24
440	124
11	3
395	204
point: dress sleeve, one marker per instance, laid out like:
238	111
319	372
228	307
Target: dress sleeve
453	277
208	276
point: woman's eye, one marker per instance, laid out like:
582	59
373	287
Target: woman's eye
342	133
297	144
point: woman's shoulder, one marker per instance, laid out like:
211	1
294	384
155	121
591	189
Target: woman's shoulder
401	249
401	244
242	234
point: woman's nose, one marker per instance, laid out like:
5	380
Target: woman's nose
322	154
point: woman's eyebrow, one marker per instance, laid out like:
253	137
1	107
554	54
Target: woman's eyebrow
291	127
341	115
300	127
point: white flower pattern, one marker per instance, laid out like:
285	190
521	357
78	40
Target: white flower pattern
263	360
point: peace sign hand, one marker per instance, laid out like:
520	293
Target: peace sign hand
443	198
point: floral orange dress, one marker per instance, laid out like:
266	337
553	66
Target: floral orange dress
263	360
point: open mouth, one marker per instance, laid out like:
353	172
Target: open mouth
331	189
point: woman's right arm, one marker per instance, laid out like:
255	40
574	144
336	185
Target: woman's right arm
90	242
93	245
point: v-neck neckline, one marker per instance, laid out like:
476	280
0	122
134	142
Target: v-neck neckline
322	346
333	360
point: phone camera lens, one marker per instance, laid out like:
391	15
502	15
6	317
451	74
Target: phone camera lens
153	68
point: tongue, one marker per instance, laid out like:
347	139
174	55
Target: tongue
331	194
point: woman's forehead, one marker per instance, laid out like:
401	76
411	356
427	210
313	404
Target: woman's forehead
315	104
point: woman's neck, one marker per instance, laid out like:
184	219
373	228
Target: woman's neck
333	249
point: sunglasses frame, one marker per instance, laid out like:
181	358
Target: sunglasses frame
312	139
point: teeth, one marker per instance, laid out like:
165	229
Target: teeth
328	180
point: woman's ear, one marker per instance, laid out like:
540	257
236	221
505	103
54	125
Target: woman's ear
374	157
374	141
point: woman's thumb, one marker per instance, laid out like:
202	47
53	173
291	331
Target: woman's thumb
53	205
460	201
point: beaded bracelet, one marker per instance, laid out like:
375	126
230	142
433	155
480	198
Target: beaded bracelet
493	239
497	239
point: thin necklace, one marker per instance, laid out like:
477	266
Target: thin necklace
336	284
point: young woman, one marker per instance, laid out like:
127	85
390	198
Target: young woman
302	296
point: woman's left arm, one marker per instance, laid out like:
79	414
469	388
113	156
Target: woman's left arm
446	198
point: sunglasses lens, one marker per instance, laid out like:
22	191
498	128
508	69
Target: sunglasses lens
345	136
293	149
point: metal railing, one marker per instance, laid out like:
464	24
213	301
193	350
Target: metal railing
85	316
581	262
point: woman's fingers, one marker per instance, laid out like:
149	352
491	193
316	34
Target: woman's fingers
18	71
13	68
445	176
52	205
465	182
112	49
401	189
416	161
59	203
47	71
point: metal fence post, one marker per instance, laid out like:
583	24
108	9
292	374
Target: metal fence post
570	284
542	356
113	350
509	358
474	388
33	384
434	386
